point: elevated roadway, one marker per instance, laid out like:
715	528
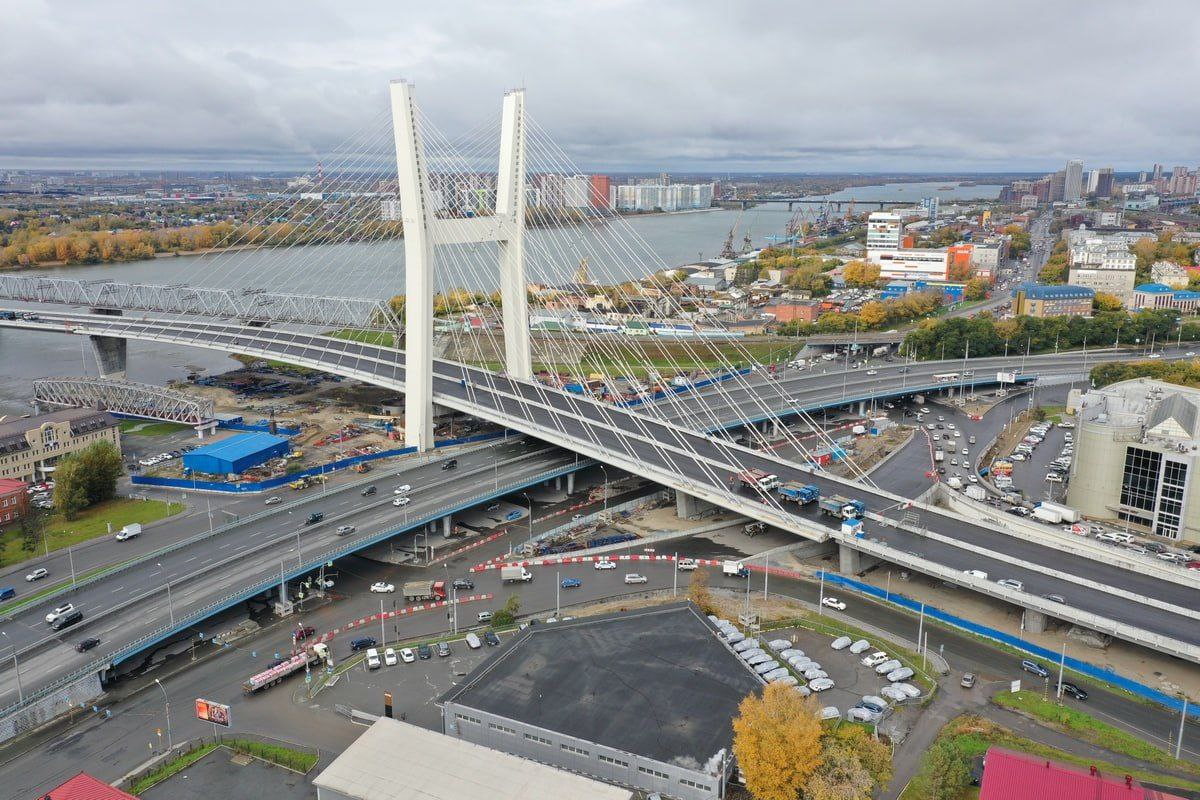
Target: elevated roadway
1122	599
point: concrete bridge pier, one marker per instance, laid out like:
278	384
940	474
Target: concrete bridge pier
688	507
109	350
1033	621
570	483
862	407
852	562
447	526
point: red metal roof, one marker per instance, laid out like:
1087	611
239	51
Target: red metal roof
85	787
1019	776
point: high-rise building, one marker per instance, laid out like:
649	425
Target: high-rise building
930	204
884	230
1056	186
601	187
1093	181
1157	174
1073	181
1104	182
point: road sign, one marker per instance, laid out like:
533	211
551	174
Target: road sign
1016	686
216	713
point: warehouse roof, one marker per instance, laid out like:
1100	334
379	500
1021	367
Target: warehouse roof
239	446
397	761
655	682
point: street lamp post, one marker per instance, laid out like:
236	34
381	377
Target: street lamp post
602	469
167	705
529	500
17	669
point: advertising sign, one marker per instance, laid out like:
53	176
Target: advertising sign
216	713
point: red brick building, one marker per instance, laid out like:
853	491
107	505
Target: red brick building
794	312
14	500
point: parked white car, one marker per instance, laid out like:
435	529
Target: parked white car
860	646
888	666
840	643
902	674
389	657
820	684
875	659
779	645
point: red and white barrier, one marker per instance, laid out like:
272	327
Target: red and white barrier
556	560
400	612
478	543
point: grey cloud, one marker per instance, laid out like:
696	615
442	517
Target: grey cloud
619	84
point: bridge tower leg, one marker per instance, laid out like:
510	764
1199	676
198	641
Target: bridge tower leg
510	205
110	351
418	268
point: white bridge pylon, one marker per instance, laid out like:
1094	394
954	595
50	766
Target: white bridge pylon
424	231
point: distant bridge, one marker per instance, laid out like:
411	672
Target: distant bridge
124	397
746	202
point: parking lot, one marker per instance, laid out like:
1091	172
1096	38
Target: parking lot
414	687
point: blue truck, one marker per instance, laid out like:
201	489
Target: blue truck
800	493
842	507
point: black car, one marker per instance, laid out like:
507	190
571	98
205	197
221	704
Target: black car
451	464
314	518
491	638
362	643
1074	691
464	583
424	652
443	649
370	490
86	644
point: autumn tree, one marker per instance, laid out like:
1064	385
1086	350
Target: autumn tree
854	765
861	273
1106	302
699	594
872	313
946	772
777	741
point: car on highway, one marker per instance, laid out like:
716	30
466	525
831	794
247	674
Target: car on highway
1035	668
571	583
634	577
451	464
367	492
463	584
490	637
402	489
381	587
345	530
443	649
302	633
314	518
362	643
872	372
820	685
834	603
407	655
424	652
1055	598
65	608
976	573
401	501
685	565
1074	691
389	657
1011	583
604	563
86	644
273	500
37	574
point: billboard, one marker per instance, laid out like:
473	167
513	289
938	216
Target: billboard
216	713
1006	377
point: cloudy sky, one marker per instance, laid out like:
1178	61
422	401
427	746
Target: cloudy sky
868	85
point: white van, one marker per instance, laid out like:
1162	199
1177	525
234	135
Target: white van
373	661
473	641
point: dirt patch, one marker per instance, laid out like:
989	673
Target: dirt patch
870	450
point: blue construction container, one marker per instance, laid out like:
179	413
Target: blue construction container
236	454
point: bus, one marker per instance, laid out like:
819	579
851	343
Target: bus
946	377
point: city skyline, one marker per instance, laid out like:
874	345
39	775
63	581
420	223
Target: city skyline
172	88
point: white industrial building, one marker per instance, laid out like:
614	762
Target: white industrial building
1135	460
884	231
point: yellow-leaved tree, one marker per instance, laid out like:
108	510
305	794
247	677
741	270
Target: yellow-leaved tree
777	741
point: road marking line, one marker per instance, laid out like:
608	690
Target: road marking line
119	588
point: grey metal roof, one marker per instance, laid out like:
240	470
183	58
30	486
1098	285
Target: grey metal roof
393	760
1174	407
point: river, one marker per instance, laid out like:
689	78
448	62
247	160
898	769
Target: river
377	270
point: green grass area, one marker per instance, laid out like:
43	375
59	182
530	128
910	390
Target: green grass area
1084	726
89	524
1054	414
297	760
971	736
135	427
164	771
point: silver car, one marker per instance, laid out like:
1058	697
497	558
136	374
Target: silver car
767	666
763	658
902	674
888	666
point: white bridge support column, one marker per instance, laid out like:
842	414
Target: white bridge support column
510	205
570	483
447	526
419	266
